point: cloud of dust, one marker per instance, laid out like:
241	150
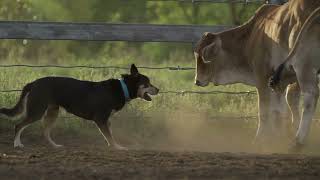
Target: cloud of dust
189	130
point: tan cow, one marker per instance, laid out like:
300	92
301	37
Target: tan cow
249	54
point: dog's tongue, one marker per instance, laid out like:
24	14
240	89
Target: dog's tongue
146	97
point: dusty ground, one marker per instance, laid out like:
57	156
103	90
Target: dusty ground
83	159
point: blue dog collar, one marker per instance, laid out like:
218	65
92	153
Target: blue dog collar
125	90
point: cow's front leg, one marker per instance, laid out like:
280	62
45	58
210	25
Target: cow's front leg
293	99
280	118
105	129
263	129
273	118
308	81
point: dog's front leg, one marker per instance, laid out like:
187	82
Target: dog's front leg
104	128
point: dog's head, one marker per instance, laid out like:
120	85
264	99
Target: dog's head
139	85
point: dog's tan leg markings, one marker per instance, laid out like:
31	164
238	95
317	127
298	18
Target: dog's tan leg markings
105	130
34	111
17	139
18	130
21	126
48	122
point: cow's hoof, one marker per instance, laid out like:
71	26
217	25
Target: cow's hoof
18	145
295	147
57	146
119	147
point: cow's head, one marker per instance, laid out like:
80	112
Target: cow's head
208	54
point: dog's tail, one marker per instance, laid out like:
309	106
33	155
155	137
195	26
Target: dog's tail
19	107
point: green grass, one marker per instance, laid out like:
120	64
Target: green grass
15	78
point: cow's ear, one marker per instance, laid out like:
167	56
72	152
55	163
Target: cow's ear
134	70
208	34
211	51
215	46
218	43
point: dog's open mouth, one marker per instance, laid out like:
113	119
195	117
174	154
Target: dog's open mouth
146	97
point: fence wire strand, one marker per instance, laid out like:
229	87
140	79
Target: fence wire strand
316	119
141	67
211	117
209	92
172	92
171	68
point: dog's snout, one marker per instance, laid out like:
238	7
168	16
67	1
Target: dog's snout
157	90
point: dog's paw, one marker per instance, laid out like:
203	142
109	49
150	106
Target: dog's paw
295	147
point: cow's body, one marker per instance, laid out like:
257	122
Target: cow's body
249	53
303	62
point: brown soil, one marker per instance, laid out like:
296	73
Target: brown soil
82	160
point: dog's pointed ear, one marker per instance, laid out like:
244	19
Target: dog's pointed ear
134	70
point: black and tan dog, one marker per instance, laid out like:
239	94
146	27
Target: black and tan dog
42	98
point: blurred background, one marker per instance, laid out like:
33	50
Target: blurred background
204	122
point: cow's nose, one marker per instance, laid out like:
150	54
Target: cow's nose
198	83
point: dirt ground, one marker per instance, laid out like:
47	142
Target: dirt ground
82	159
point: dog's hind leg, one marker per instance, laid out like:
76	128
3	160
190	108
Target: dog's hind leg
35	109
48	122
18	130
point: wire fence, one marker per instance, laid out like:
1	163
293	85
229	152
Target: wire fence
170	68
248	119
210	92
210	117
172	92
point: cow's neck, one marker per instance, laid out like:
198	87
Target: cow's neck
233	75
235	67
